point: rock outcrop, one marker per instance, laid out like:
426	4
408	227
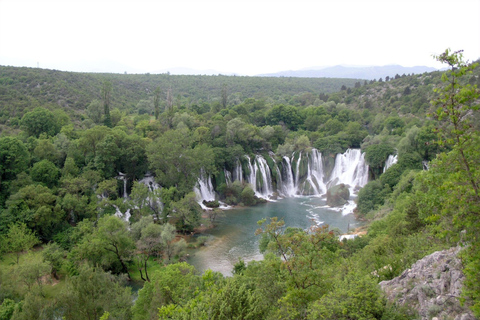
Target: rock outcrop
338	195
432	286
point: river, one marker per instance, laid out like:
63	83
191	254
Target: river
234	237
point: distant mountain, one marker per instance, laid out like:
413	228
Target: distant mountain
190	71
368	73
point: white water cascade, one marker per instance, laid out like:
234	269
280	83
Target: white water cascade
237	172
306	177
204	188
391	160
289	189
351	169
264	189
123	176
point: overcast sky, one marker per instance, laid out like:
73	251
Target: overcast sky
243	37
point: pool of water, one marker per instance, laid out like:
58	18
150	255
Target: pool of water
234	237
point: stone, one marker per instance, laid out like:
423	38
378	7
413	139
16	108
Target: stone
338	195
432	287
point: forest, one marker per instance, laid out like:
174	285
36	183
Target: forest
98	171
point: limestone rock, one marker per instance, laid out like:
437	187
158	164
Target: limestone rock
338	195
432	286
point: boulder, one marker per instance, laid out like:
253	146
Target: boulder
338	195
432	287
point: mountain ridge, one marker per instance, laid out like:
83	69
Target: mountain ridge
341	71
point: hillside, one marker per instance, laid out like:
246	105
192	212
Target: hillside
26	88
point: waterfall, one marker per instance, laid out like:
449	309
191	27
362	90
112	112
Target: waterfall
125	216
297	171
351	169
265	189
279	181
308	177
123	176
149	181
237	172
252	179
289	189
391	160
153	198
228	177
204	188
316	171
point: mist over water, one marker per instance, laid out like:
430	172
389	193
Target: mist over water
234	237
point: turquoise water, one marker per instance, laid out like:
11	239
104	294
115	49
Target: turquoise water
234	237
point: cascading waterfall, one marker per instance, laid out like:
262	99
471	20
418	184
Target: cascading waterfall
265	188
238	172
118	213
289	189
279	180
306	178
297	172
252	179
316	171
149	181
228	177
351	169
391	160
123	176
204	188
154	188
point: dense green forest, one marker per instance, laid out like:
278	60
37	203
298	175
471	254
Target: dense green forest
66	137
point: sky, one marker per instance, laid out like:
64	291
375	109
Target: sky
244	37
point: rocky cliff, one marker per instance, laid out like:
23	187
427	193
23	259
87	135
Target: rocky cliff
432	286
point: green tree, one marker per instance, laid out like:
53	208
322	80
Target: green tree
20	239
376	155
39	121
106	99
452	185
93	292
54	255
177	162
46	173
37	207
173	284
156	102
187	213
14	158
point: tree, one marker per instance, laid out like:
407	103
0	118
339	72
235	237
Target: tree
149	244
455	103
224	96
39	121
37	207
106	99
54	255
19	239
187	212
156	102
172	284
376	155
456	173
14	158
94	111
94	292
46	173
113	235
177	162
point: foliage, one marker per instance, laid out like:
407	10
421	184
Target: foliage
39	121
19	239
92	292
